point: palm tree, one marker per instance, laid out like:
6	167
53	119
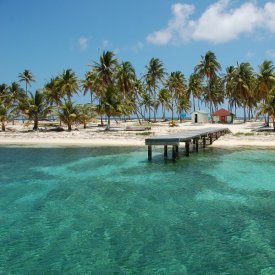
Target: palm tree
26	77
110	104
106	67
164	99
5	104
266	80
208	68
126	77
154	76
90	83
243	84
35	107
105	70
67	83
126	81
15	93
195	88
85	113
52	93
68	114
4	113
176	84
269	106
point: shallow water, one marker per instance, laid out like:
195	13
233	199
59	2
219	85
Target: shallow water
105	211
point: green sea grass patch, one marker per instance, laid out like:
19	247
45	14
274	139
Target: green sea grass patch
144	134
243	134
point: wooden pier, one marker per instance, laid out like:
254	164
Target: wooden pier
191	138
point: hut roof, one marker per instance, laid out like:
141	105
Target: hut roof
222	112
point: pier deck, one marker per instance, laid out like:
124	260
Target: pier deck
186	136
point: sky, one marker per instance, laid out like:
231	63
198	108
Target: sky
50	36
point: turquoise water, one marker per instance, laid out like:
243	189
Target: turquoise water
109	211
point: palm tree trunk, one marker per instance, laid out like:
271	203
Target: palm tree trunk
155	105
172	111
108	123
3	127
69	126
199	104
244	113
194	103
91	97
35	127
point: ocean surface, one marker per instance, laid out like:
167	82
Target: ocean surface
110	211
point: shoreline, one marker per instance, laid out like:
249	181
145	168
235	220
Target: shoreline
242	135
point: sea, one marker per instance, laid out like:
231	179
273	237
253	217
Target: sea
107	210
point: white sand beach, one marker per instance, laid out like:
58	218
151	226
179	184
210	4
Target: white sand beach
242	134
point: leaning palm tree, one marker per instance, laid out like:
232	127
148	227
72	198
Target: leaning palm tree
154	76
208	68
35	107
67	83
26	77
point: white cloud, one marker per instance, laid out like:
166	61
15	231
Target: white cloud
83	42
219	23
176	26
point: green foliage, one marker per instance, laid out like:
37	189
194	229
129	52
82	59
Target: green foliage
144	134
69	114
86	112
35	107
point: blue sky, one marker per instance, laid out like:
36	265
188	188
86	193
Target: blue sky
47	37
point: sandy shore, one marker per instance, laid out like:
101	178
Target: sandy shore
242	134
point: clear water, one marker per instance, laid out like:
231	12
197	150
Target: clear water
109	211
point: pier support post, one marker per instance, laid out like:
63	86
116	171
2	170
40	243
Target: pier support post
165	151
204	141
187	149
174	152
149	152
197	145
177	150
211	138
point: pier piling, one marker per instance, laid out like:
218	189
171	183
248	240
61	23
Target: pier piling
193	137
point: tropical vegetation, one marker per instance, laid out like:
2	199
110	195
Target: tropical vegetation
116	91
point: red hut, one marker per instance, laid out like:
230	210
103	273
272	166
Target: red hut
223	116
